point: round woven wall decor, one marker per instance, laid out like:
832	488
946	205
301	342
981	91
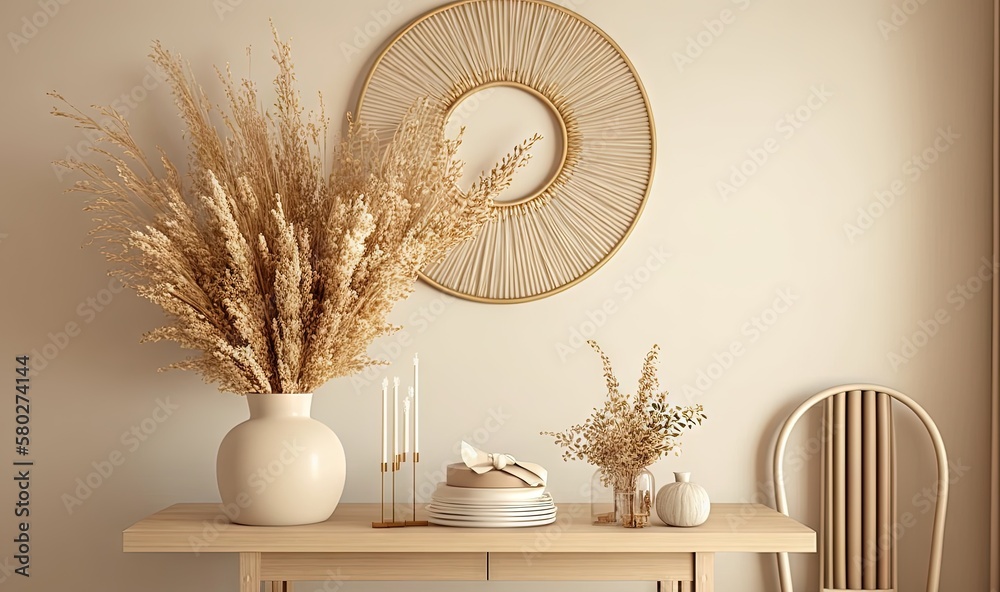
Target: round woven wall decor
545	242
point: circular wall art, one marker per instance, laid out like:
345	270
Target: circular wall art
544	242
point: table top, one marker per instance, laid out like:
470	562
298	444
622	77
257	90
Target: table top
204	528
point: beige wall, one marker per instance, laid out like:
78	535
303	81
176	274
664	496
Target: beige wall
856	298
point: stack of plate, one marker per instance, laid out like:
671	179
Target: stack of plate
490	508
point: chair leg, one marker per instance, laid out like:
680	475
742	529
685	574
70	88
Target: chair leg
281	587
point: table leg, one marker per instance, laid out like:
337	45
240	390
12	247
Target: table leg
704	572
249	572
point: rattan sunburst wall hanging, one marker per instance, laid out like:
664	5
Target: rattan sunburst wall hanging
550	240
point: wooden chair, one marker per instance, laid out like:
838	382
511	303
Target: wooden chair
857	547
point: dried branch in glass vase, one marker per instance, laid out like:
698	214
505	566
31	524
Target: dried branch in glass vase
629	432
278	269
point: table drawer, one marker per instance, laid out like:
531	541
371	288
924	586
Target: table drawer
591	566
373	566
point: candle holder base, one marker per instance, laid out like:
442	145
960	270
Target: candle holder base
389	470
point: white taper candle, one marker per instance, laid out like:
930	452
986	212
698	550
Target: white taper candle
416	404
385	420
406	422
395	418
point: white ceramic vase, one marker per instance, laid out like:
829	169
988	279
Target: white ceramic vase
683	503
281	467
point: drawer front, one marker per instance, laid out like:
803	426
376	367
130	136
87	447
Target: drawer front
373	566
591	566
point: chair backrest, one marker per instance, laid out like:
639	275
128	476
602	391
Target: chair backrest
857	539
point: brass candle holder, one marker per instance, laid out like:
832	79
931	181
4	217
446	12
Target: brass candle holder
398	458
396	466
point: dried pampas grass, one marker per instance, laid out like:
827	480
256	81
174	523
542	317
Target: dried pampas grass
276	270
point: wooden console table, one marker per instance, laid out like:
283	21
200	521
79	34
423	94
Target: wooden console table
347	548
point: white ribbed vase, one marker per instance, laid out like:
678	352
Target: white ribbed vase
683	503
281	467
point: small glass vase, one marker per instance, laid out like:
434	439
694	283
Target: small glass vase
631	508
602	501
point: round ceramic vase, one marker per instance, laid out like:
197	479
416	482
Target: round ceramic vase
683	503
281	467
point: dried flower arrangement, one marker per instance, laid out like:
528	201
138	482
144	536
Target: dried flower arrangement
628	433
278	269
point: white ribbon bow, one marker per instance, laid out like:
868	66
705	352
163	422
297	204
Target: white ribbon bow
483	462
